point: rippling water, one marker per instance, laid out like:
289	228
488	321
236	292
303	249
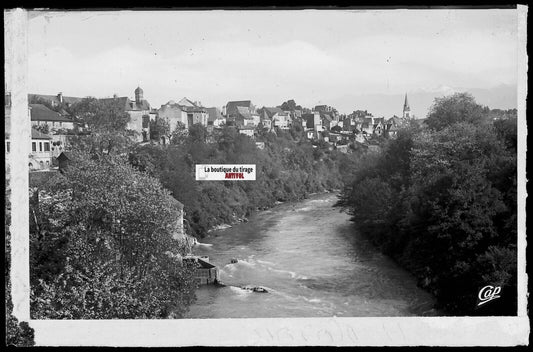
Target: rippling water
312	262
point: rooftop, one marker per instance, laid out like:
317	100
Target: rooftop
40	112
214	114
127	104
231	106
55	98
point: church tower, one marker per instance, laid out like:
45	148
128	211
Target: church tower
406	108
138	95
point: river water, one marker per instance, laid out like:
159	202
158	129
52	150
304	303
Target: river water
313	264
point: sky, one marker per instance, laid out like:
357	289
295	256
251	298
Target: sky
311	56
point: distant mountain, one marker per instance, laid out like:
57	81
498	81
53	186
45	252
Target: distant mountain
499	97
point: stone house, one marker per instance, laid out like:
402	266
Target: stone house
281	120
196	113
205	272
41	153
265	120
40	157
366	126
41	115
379	126
349	124
173	113
139	111
232	111
215	117
244	118
313	121
392	126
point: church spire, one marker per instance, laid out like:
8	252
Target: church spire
406	108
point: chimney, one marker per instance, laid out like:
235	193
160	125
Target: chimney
60	97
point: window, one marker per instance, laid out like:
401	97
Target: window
30	165
46	147
145	121
7	147
33	147
47	163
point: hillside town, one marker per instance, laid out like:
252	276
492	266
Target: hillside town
53	125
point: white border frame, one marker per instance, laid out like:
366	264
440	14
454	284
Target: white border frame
388	331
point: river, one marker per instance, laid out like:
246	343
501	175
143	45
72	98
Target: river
311	260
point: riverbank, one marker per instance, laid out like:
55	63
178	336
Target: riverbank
307	273
224	226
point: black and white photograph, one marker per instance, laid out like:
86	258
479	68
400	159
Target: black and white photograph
257	177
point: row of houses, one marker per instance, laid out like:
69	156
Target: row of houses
241	114
44	147
323	122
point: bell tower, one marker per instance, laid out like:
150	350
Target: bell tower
138	95
406	108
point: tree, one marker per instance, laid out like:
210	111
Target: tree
197	133
459	107
507	130
180	134
442	202
297	132
106	121
289	105
102	142
455	197
159	127
118	258
102	115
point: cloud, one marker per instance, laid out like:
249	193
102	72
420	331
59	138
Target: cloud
269	58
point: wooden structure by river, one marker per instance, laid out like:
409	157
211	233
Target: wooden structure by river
206	273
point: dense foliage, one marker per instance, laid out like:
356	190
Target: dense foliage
107	121
288	168
102	245
442	201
